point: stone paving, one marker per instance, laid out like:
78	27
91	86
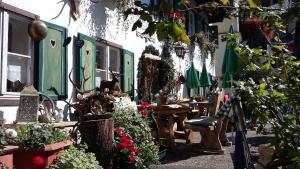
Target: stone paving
187	156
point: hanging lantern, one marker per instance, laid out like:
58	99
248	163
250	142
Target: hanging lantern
37	30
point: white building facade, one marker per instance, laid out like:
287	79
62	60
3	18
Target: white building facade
97	40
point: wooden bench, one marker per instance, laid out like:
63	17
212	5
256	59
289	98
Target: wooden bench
210	127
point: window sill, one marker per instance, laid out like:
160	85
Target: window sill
7	100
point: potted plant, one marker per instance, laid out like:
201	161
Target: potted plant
6	151
39	145
76	158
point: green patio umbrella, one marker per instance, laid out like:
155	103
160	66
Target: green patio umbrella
204	79
230	64
192	78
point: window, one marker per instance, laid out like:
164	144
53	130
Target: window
16	53
108	59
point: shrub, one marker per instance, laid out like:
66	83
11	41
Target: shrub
74	158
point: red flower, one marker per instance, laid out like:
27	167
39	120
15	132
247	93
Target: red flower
132	159
174	15
122	145
145	114
125	138
131	149
118	130
38	161
138	150
145	105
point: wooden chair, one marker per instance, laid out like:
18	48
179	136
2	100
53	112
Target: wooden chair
210	127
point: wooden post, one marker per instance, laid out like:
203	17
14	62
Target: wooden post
98	134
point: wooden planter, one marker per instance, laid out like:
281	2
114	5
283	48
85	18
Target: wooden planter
97	133
23	158
6	156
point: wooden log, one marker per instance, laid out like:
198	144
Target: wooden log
98	135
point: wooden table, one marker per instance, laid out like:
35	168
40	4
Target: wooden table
204	106
169	132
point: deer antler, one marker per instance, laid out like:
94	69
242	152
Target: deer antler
73	83
83	82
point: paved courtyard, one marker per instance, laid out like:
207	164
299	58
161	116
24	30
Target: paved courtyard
187	156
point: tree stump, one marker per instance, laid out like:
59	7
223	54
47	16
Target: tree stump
98	135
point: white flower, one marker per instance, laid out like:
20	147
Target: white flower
79	96
11	133
37	126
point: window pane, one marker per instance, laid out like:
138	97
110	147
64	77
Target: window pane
17	73
18	38
114	59
100	75
101	57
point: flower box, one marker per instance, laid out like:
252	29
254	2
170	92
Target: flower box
6	156
38	158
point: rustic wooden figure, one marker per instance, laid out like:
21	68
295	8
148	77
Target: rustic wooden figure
112	85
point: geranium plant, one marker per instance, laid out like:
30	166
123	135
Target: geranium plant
127	152
137	131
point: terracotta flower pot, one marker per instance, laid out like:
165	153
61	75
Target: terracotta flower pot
6	156
39	158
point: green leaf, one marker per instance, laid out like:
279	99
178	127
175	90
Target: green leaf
252	3
137	24
224	2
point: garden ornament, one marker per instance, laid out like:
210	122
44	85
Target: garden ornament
37	29
112	85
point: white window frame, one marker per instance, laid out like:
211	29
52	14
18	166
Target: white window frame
107	55
4	21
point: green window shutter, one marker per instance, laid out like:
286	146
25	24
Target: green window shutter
87	60
52	63
128	72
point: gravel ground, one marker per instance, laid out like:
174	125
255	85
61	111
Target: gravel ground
186	156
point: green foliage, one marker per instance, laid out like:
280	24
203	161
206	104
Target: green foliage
137	127
39	135
74	158
269	87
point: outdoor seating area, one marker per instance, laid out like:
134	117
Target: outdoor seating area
149	84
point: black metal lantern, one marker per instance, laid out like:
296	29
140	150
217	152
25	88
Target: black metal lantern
180	51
